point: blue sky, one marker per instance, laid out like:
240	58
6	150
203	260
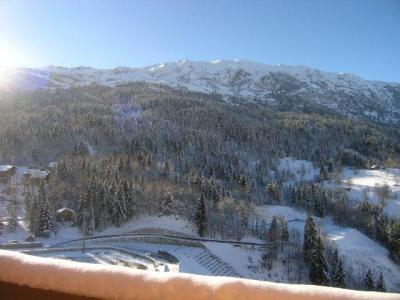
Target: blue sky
354	36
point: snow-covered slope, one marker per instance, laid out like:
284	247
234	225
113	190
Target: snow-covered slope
295	86
359	252
365	185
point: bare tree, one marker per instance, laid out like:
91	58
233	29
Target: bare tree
349	183
383	192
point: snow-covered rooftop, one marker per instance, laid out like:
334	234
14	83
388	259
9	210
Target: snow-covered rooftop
64	209
36	173
5	168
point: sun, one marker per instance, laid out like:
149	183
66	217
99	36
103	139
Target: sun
9	59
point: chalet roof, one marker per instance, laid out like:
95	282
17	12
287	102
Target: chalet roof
65	209
5	168
36	173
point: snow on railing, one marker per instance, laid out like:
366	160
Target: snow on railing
114	282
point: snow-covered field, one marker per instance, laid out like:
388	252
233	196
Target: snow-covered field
364	184
161	224
294	170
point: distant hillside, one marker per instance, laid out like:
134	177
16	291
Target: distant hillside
289	86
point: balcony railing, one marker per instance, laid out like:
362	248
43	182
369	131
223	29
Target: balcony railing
28	277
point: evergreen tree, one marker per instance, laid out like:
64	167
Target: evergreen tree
119	208
310	236
274	192
369	281
12	217
33	216
167	201
339	276
201	216
319	265
394	239
273	232
129	198
273	236
284	232
335	261
166	169
102	216
89	221
380	285
81	210
46	221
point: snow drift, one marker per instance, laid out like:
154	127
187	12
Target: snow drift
113	282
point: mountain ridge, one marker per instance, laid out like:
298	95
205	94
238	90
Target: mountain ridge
293	86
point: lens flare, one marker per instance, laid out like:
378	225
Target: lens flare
9	60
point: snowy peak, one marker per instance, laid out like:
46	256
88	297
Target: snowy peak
292	86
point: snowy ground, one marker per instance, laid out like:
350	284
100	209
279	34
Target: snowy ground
185	254
358	251
161	224
294	170
106	256
364	184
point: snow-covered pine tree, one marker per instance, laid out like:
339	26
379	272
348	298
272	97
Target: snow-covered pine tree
339	275
12	217
201	215
335	261
118	208
33	216
167	203
81	208
118	213
310	235
166	169
380	285
273	232
273	236
89	221
101	215
319	265
274	192
369	281
128	196
284	231
46	221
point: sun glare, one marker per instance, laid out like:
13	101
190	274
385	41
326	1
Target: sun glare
9	59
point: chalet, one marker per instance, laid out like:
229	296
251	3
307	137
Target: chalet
65	214
6	172
34	176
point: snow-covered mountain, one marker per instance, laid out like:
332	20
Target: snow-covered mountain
292	86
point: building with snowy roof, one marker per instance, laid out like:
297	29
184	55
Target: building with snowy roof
6	172
65	214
